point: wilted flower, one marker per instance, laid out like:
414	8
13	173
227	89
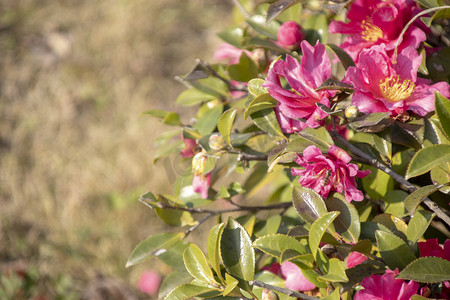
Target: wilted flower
230	54
296	107
149	282
383	86
290	35
330	172
373	22
200	181
386	287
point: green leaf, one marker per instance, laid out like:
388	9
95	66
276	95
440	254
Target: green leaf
161	114
427	270
440	175
394	251
377	183
443	111
382	142
173	257
318	137
261	102
208	121
212	86
233	35
371	122
226	123
189	291
197	265
303	261
335	295
418	225
213	248
318	25
192	97
426	159
268	226
336	271
237	253
312	277
255	88
245	70
415	198
175	217
318	229
278	7
347	223
308	204
230	284
368	230
396	225
151	246
171	281
276	244
343	56
395	203
258	22
429	3
267	121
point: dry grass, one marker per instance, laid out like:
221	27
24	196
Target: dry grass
74	151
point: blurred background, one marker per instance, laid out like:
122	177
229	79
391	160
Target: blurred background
75	151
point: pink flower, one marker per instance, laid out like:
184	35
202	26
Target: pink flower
431	247
373	22
355	258
330	172
290	35
190	146
297	108
149	282
383	86
201	184
386	287
294	279
229	53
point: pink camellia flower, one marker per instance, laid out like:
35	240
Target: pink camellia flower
229	53
294	279
431	247
149	282
383	86
290	35
355	258
296	107
373	22
330	172
190	146
386	287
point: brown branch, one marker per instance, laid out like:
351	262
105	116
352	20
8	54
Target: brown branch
290	293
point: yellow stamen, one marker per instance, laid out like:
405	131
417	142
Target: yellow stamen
371	32
394	89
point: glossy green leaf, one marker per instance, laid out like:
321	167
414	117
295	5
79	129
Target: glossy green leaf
347	223
429	3
237	253
189	291
335	295
208	121
343	56
248	222
395	203
267	121
394	251
173	256
192	97
255	88
233	35
161	114
258	23
382	142
396	225
175	217
375	122
276	244
316	23
428	158
427	270
377	183
172	119
440	175
308	204
443	111
418	225
268	226
197	265
230	284
318	137
172	280
303	261
152	245
276	8
226	123
368	230
312	277
244	70
213	248
336	271
415	198
318	229
261	102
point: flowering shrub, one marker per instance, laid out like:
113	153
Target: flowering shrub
326	164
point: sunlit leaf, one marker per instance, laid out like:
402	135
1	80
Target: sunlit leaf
308	204
318	229
261	102
336	272
266	120
415	198
189	291
225	124
394	251
419	224
427	270
233	35
244	70
275	244
208	121
443	111
255	88
197	265
258	23
192	97
213	248
278	7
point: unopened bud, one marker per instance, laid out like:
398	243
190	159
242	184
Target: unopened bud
351	112
290	35
269	295
216	142
259	57
199	163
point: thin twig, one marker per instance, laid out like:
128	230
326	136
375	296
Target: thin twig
290	293
247	157
241	8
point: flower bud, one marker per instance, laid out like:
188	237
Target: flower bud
290	35
199	163
269	295
351	112
216	142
